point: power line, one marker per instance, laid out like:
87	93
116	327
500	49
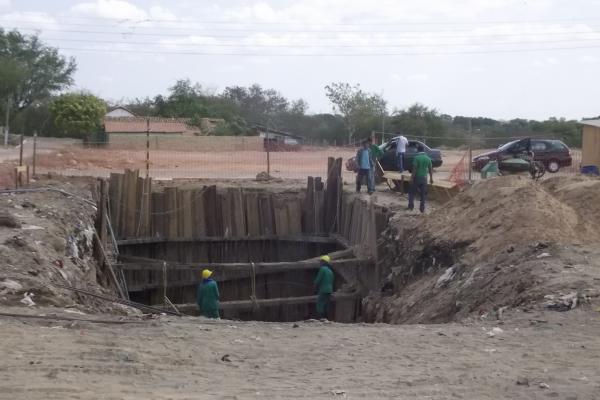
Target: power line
296	45
210	34
135	26
363	23
331	54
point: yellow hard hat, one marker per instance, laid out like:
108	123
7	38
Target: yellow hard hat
325	258
206	273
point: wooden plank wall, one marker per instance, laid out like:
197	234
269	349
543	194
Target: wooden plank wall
137	212
174	212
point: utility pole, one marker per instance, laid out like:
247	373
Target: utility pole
7	122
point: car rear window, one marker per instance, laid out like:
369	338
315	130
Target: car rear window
558	145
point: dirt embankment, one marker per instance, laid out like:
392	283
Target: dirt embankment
47	237
503	243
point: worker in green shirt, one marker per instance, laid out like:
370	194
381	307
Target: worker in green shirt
421	167
208	296
324	285
376	153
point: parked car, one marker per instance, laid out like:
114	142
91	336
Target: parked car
389	160
554	154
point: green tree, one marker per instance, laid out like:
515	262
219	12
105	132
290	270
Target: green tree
30	71
421	122
355	106
78	114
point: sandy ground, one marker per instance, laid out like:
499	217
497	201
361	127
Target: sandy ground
552	355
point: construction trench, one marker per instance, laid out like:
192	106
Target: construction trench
262	245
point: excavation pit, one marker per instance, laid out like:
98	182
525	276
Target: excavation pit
263	246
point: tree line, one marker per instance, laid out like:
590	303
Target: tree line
35	78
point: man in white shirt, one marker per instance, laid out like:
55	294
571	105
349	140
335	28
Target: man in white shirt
401	144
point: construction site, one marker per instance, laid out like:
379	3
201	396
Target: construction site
494	292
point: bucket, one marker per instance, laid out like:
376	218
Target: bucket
590	170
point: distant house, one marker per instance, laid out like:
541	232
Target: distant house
119	112
138	125
590	146
274	140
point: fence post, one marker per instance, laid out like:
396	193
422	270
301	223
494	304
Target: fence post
268	154
147	147
6	127
34	152
21	152
470	163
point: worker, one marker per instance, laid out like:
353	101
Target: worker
208	296
376	154
324	285
401	144
365	164
421	166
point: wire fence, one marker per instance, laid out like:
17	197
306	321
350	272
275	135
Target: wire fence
211	157
192	157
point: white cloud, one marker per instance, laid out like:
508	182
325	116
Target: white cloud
4	4
117	9
28	21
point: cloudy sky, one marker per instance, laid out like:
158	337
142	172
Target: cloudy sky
495	58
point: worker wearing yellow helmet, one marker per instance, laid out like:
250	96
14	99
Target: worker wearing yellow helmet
208	296
324	285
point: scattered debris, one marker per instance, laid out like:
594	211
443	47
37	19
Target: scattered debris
544	385
446	277
562	302
226	358
27	299
9	220
522	381
543	255
337	392
10	285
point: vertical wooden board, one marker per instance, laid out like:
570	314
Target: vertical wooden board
123	206
319	207
238	212
267	226
252	214
294	208
319	184
170	212
225	200
179	213
347	216
281	217
114	195
199	214
187	214
156	207
210	207
133	204
148	208
309	206
138	227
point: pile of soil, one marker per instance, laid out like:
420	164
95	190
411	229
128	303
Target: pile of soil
46	238
503	243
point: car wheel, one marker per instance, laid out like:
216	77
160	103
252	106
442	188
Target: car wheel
553	166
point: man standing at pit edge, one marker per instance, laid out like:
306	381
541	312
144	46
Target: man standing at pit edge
400	150
421	166
324	285
365	163
208	296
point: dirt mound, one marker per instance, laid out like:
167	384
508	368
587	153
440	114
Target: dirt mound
500	212
505	242
49	240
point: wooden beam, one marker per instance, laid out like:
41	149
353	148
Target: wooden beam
240	269
244	305
288	238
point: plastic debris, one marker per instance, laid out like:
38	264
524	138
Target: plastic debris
27	299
